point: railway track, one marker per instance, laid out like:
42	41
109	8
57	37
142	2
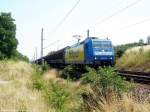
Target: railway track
139	77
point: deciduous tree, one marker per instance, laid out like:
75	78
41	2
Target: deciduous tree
8	41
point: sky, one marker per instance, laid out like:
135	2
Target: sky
131	23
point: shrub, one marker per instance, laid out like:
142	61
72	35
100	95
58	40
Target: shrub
40	69
61	95
110	79
71	72
90	76
56	96
106	78
18	56
44	66
38	82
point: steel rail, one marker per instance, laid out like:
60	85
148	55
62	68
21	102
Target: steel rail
139	77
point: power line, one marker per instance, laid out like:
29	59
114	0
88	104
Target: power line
116	13
66	16
120	2
51	44
137	23
61	22
131	25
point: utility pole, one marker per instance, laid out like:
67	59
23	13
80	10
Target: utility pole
34	57
36	53
42	42
88	33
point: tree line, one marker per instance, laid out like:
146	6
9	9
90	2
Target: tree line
120	49
8	40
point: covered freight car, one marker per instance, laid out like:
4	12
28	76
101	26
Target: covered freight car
56	57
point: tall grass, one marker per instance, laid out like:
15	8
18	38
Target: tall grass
24	88
108	92
135	59
62	95
17	94
97	101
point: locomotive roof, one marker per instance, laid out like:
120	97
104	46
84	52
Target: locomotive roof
92	38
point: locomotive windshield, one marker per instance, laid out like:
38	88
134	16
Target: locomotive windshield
102	44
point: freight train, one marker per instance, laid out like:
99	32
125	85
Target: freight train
92	51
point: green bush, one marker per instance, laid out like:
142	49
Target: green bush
110	79
106	78
37	80
45	66
71	72
38	83
60	95
90	76
106	86
53	92
40	69
56	96
18	56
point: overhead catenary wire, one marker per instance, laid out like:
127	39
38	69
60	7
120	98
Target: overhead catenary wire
132	25
51	44
66	16
100	22
121	2
62	21
135	24
115	13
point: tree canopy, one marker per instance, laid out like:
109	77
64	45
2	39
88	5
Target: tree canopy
8	41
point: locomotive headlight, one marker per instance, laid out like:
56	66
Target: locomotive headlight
95	58
111	58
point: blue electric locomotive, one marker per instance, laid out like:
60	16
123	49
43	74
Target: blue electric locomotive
91	51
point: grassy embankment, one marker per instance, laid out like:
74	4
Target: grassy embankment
136	59
23	88
16	93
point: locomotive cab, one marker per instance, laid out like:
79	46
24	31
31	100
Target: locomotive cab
99	51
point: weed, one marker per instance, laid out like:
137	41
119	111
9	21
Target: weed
106	78
71	72
57	96
97	101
